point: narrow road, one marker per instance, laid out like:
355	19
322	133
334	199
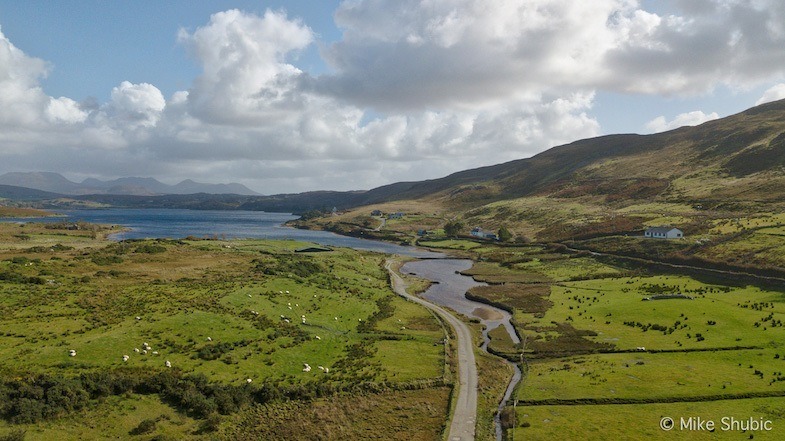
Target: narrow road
463	420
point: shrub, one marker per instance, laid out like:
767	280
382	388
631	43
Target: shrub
145	427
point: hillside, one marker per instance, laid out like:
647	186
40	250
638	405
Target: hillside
739	149
722	182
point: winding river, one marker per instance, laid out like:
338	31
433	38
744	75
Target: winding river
449	290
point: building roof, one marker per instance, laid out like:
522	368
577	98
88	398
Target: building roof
661	230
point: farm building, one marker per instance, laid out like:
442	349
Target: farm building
482	234
664	233
397	215
376	213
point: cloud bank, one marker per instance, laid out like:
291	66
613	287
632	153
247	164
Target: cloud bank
414	90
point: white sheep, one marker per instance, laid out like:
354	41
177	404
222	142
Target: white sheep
155	352
125	357
209	339
168	364
248	380
136	349
72	353
321	367
138	318
318	338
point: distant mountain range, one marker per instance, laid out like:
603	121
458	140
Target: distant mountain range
56	183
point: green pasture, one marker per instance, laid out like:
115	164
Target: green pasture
616	311
230	311
571	269
642	421
655	375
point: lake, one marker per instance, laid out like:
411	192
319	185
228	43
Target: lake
178	224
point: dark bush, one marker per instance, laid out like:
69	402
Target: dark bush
145	427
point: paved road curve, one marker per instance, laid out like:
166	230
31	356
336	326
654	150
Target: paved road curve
465	416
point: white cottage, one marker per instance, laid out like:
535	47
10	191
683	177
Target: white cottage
664	233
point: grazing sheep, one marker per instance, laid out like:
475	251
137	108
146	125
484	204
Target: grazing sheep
144	351
286	320
318	338
125	357
248	380
287	292
155	352
320	367
168	364
326	370
209	339
336	318
136	349
72	353
138	318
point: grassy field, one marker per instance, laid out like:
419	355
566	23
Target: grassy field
606	344
230	320
642	421
17	212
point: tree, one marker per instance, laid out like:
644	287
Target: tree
504	234
452	228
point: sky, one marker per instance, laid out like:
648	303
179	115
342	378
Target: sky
292	96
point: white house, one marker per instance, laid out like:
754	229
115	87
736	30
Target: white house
664	233
482	234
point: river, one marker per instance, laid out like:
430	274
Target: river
449	290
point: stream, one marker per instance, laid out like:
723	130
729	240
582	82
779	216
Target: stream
448	290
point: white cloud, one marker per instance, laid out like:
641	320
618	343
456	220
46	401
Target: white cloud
417	89
246	78
64	110
411	54
136	105
694	118
776	92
